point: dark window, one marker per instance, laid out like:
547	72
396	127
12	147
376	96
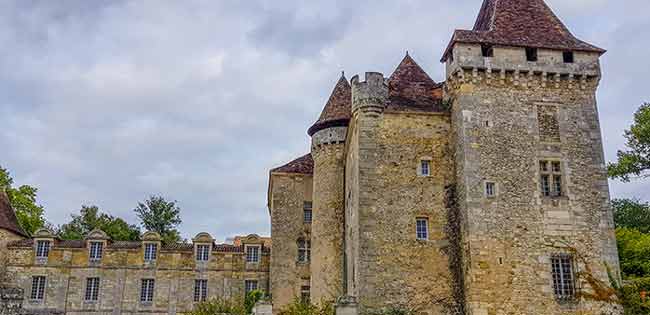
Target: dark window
487	50
422	228
551	178
250	285
304	250
92	289
146	290
150	251
96	250
531	54
425	168
568	56
252	254
202	252
42	249
200	290
307	211
490	189
304	293
38	288
562	270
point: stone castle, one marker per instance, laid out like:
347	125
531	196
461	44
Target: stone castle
485	194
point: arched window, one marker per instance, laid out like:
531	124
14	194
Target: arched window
304	250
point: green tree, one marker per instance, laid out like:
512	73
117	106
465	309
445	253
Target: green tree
632	214
161	216
23	199
636	160
90	218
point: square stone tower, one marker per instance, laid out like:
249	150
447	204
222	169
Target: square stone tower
531	184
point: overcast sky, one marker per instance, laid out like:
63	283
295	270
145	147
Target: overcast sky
107	102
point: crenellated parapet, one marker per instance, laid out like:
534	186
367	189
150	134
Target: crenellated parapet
522	67
370	95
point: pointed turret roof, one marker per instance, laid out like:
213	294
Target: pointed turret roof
520	23
409	87
8	218
338	110
301	165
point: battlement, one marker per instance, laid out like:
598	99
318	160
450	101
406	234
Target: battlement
546	64
370	94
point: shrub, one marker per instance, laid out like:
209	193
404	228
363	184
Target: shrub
300	307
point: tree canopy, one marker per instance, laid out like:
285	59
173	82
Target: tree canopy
30	215
90	218
636	160
161	216
632	214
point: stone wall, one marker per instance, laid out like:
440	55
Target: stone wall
328	225
391	268
120	272
6	237
499	136
287	195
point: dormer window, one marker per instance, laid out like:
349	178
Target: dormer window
487	50
531	54
252	254
150	251
96	251
568	57
202	252
42	249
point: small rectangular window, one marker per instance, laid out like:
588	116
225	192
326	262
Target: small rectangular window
202	252
92	289
487	50
200	290
551	178
304	250
42	249
150	252
490	189
96	251
38	288
425	167
250	285
568	56
252	254
307	211
563	281
531	54
305	294
146	290
422	228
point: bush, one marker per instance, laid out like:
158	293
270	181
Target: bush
219	306
299	307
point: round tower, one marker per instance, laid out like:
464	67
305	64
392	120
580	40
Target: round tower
328	223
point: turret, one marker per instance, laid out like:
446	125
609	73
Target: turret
370	95
327	149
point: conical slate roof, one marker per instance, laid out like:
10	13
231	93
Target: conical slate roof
520	23
409	87
8	219
301	165
338	110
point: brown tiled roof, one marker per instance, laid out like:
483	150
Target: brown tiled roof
301	165
338	110
8	218
411	89
521	23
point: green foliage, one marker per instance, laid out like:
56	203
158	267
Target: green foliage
634	253
252	298
300	307
23	199
632	214
161	216
219	306
90	218
636	160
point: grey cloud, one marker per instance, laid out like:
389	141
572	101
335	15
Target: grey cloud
108	102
